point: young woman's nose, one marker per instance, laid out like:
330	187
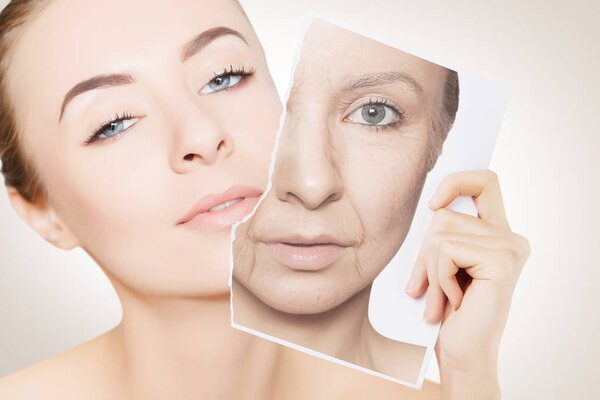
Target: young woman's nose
199	139
306	170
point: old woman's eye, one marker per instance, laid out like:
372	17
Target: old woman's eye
375	114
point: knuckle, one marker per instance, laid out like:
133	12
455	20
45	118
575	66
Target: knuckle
437	238
524	245
503	275
442	219
508	266
509	257
523	248
445	248
490	176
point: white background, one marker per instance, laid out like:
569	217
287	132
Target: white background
546	155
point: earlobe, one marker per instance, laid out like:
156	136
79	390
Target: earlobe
42	218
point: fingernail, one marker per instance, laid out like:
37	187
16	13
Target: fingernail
410	285
433	201
426	316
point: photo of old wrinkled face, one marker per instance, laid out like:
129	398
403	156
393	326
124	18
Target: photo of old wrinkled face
143	125
354	151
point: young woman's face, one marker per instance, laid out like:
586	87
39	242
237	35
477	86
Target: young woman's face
351	163
141	118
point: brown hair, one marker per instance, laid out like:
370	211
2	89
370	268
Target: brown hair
17	170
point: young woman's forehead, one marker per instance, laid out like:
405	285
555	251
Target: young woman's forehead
73	40
106	26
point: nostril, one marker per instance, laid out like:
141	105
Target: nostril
188	157
221	144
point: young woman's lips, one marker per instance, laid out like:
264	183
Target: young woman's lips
309	256
216	212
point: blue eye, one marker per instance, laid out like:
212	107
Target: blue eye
113	128
227	79
221	83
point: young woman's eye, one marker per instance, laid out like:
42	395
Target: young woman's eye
113	128
227	79
221	83
375	114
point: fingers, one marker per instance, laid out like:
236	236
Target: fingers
435	302
483	186
486	258
447	270
444	221
417	283
435	298
484	247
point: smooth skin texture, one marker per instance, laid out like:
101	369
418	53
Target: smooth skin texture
175	140
121	198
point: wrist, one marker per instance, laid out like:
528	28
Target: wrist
476	380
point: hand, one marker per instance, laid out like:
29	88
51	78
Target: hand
473	265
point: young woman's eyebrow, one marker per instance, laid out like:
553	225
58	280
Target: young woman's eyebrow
384	78
189	49
203	39
98	81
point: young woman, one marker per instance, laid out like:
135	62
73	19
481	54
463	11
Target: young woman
141	131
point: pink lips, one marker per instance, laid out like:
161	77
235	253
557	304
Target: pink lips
241	201
305	254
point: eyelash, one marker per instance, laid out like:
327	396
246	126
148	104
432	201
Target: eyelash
384	102
105	125
230	71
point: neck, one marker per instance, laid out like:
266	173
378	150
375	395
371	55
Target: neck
343	332
185	348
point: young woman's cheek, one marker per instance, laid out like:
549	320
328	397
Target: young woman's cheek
111	184
251	116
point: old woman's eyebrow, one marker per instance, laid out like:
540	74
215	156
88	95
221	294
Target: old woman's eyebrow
384	78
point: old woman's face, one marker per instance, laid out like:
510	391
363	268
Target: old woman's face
351	163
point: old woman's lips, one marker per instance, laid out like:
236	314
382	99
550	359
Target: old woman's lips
306	254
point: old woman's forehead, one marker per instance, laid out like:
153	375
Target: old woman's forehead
336	56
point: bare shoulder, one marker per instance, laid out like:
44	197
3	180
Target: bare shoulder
75	374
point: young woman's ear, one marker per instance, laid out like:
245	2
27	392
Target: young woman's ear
43	219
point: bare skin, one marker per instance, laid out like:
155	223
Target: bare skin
250	368
175	339
344	333
344	181
265	370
